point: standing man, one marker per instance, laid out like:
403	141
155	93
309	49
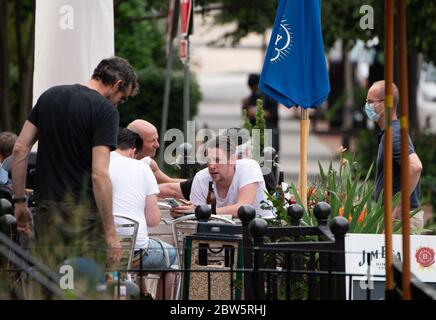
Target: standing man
76	127
269	105
374	109
150	139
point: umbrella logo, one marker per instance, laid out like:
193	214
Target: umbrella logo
283	43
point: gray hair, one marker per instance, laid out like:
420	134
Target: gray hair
113	69
224	143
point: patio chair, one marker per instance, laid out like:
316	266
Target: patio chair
183	226
127	230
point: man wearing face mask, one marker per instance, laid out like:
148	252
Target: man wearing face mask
374	109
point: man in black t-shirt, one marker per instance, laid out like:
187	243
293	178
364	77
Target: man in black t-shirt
76	127
270	108
374	109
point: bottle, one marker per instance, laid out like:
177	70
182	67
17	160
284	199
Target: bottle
123	292
279	189
211	199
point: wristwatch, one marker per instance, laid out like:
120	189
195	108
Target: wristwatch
19	200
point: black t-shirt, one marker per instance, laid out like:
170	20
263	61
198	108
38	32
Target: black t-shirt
71	120
269	105
186	188
396	168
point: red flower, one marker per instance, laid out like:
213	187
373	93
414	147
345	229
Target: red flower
362	216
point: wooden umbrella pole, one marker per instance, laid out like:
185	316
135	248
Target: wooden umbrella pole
304	136
389	101
404	125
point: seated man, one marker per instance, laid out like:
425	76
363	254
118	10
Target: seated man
244	147
7	141
149	136
135	192
236	182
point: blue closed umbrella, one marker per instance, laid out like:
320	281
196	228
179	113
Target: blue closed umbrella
295	69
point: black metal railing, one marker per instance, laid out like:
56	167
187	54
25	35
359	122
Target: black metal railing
418	289
258	262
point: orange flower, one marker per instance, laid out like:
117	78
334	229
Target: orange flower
361	216
341	211
311	192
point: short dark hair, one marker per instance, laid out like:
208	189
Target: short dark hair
110	70
127	139
238	135
7	142
253	79
224	143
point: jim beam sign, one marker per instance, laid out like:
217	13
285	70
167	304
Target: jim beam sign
358	246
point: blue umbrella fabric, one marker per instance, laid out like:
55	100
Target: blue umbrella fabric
295	68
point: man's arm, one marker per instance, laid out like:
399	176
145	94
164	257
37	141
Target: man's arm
160	176
102	188
21	151
152	212
170	190
246	195
415	166
415	171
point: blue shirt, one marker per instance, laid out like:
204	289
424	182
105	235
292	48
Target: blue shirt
396	171
3	176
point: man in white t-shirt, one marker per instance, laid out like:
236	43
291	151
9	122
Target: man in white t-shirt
135	190
236	182
150	138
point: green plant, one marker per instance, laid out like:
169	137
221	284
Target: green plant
425	147
259	125
148	104
349	193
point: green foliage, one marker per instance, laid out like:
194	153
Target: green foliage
349	193
259	125
346	17
425	147
366	144
247	124
253	16
148	103
140	41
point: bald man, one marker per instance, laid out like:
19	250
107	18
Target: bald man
374	108
150	138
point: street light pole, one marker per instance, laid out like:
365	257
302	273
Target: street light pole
186	102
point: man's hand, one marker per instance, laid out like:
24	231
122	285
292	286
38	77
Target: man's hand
179	211
396	214
114	250
24	219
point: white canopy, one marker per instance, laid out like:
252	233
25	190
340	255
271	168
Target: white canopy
71	37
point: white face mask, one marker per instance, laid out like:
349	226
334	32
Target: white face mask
370	112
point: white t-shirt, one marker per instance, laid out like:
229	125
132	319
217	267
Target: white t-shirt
132	180
146	160
247	171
